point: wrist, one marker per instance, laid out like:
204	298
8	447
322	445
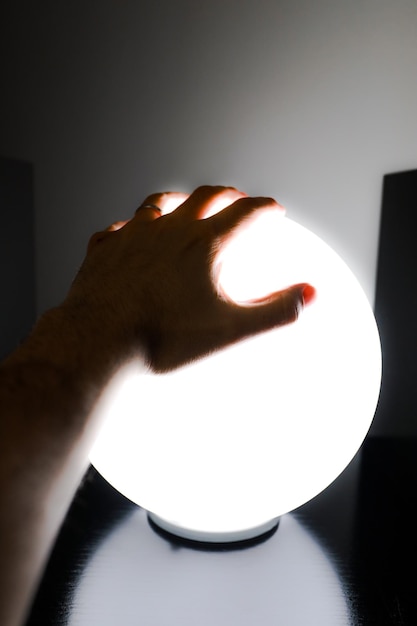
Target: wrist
52	382
72	350
68	340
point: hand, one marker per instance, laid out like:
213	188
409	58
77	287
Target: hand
150	282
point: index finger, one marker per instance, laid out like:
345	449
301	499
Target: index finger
208	200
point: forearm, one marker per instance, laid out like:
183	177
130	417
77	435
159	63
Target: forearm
48	390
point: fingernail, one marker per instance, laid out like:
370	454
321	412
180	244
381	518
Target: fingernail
309	293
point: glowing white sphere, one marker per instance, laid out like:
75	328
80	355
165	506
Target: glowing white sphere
258	429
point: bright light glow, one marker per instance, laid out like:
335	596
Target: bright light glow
256	430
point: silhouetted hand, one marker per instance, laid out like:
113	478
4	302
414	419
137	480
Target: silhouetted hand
150	283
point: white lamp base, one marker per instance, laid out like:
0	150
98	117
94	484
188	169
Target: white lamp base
214	537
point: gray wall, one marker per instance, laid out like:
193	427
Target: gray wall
311	102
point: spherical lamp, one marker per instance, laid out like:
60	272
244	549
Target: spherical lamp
221	448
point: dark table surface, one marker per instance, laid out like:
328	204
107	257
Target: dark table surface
348	557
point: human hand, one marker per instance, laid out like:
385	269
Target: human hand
150	285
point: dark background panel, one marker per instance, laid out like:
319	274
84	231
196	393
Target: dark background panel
17	259
396	305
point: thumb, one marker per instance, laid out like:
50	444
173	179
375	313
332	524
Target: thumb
277	309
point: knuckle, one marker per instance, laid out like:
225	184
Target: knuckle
95	238
154	197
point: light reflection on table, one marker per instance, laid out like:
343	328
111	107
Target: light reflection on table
345	557
136	576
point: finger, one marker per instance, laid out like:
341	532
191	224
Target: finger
117	225
241	211
207	200
278	309
158	204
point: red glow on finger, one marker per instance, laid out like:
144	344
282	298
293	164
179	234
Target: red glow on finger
309	294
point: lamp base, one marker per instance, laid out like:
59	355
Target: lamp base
212	538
